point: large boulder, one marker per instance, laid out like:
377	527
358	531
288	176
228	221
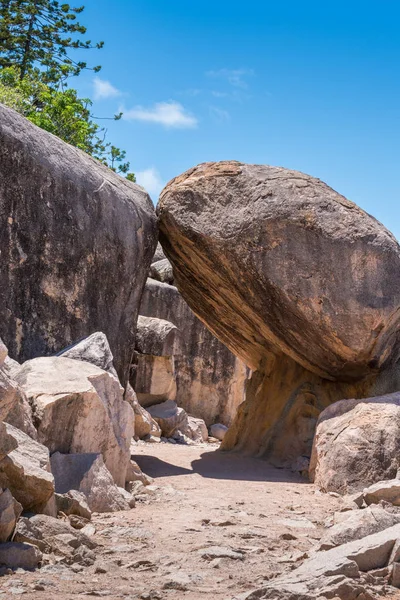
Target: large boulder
77	241
296	280
26	472
356	444
87	473
94	349
79	408
210	380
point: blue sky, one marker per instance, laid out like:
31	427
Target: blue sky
312	86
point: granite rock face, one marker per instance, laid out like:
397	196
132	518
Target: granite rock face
78	407
79	241
356	444
296	280
209	379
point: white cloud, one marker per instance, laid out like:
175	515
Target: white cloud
234	76
151	180
169	114
104	89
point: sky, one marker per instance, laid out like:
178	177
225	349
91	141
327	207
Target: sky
312	86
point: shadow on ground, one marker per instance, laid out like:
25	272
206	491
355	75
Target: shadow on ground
218	465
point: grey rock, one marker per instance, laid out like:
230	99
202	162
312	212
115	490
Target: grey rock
20	556
195	430
26	472
358	524
87	474
370	429
51	535
162	271
10	511
218	431
158	337
213	552
158	254
389	491
170	417
94	349
334	573
62	210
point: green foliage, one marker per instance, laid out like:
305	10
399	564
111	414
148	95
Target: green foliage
41	32
35	39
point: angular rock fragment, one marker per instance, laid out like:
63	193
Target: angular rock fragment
26	471
87	474
145	425
73	503
161	270
16	555
383	490
95	350
358	524
79	408
10	511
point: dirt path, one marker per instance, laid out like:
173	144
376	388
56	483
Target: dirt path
206	503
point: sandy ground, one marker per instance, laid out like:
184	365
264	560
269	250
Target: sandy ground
163	548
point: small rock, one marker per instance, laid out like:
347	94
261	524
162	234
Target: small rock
218	431
220	552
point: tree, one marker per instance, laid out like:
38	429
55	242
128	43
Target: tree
40	33
36	37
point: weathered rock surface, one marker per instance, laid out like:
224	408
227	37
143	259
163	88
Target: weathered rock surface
10	511
383	490
251	247
73	503
145	425
26	471
336	573
51	535
19	556
170	417
68	223
95	350
196	429
358	524
161	270
210	380
88	474
218	431
79	408
356	444
157	342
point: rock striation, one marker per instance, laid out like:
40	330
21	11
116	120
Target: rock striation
77	242
296	280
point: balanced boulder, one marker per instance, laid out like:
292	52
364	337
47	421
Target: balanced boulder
79	407
78	241
296	280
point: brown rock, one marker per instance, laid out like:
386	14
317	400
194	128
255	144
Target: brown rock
10	511
251	247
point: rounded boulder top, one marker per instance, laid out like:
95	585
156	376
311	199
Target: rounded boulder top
276	261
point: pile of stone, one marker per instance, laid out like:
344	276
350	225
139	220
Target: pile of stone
65	452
